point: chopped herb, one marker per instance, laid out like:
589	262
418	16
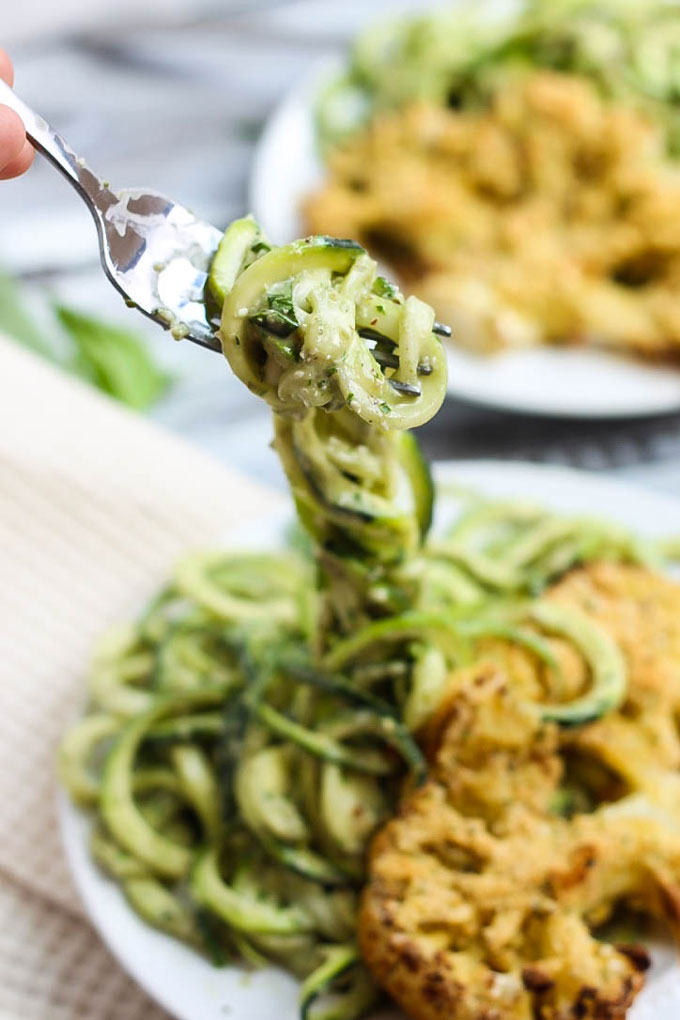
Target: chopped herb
282	303
385	408
383	288
260	246
279	317
350	398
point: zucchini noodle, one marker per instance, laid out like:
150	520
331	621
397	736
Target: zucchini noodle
311	325
457	55
348	365
248	734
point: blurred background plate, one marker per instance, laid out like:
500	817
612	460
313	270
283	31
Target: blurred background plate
186	984
178	102
567	382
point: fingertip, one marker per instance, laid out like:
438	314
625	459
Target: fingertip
12	136
16	153
20	164
6	69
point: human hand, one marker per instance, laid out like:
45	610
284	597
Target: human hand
16	153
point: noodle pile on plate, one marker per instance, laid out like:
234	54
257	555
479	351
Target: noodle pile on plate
550	215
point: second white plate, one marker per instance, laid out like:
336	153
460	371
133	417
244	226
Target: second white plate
564	382
185	983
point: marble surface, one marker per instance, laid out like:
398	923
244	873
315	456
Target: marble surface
174	99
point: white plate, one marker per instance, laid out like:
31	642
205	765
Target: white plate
186	984
561	382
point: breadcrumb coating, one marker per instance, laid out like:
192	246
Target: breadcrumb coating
483	896
553	216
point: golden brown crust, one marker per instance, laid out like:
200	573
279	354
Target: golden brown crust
481	901
553	216
457	923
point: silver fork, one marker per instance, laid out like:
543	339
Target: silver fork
155	253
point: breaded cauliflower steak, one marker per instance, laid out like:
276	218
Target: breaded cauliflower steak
481	900
551	216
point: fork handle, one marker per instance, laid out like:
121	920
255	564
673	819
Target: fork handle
94	191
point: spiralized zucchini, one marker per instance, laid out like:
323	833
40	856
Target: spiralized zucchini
348	365
246	736
459	55
311	325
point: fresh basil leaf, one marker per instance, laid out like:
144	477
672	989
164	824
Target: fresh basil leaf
17	322
113	359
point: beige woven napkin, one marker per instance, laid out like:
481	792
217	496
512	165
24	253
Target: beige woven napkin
95	505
